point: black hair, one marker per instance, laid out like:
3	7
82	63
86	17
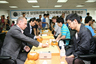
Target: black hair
88	14
7	16
72	17
47	14
87	19
80	17
38	20
40	15
3	16
93	20
44	15
23	13
13	22
32	19
60	20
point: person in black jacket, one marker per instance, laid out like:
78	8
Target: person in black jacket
29	30
83	42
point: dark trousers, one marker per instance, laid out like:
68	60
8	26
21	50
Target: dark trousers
77	61
21	58
70	60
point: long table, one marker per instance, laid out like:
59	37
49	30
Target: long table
55	51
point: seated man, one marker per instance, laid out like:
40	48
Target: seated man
93	25
29	31
88	21
13	42
57	29
35	27
83	42
65	33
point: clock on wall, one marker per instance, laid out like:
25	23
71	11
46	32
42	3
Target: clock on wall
15	14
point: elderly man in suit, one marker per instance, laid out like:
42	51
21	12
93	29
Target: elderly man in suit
13	42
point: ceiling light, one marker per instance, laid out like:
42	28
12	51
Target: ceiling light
61	1
13	6
79	6
32	1
4	2
35	6
58	6
90	1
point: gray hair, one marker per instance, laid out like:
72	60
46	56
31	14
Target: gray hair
20	19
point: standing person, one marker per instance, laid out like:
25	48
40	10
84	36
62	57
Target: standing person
44	21
57	29
40	16
88	14
1	28
23	14
47	20
83	42
63	16
7	23
12	23
3	22
40	24
13	42
65	33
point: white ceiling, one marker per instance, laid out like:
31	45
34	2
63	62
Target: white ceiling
47	4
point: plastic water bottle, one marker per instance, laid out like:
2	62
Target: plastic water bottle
40	32
62	54
45	62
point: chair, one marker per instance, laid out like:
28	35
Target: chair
2	36
72	33
5	59
91	57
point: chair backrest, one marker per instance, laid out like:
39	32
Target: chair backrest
2	36
72	33
95	43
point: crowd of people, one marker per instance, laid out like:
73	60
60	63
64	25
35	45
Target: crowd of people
26	33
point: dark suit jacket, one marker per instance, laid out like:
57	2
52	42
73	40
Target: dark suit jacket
13	42
27	31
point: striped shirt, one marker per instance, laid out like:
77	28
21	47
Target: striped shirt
65	32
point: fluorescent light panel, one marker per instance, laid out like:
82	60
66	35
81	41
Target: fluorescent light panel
35	6
4	2
90	1
79	6
61	1
58	6
13	6
32	1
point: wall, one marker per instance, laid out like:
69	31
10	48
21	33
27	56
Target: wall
4	12
91	11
